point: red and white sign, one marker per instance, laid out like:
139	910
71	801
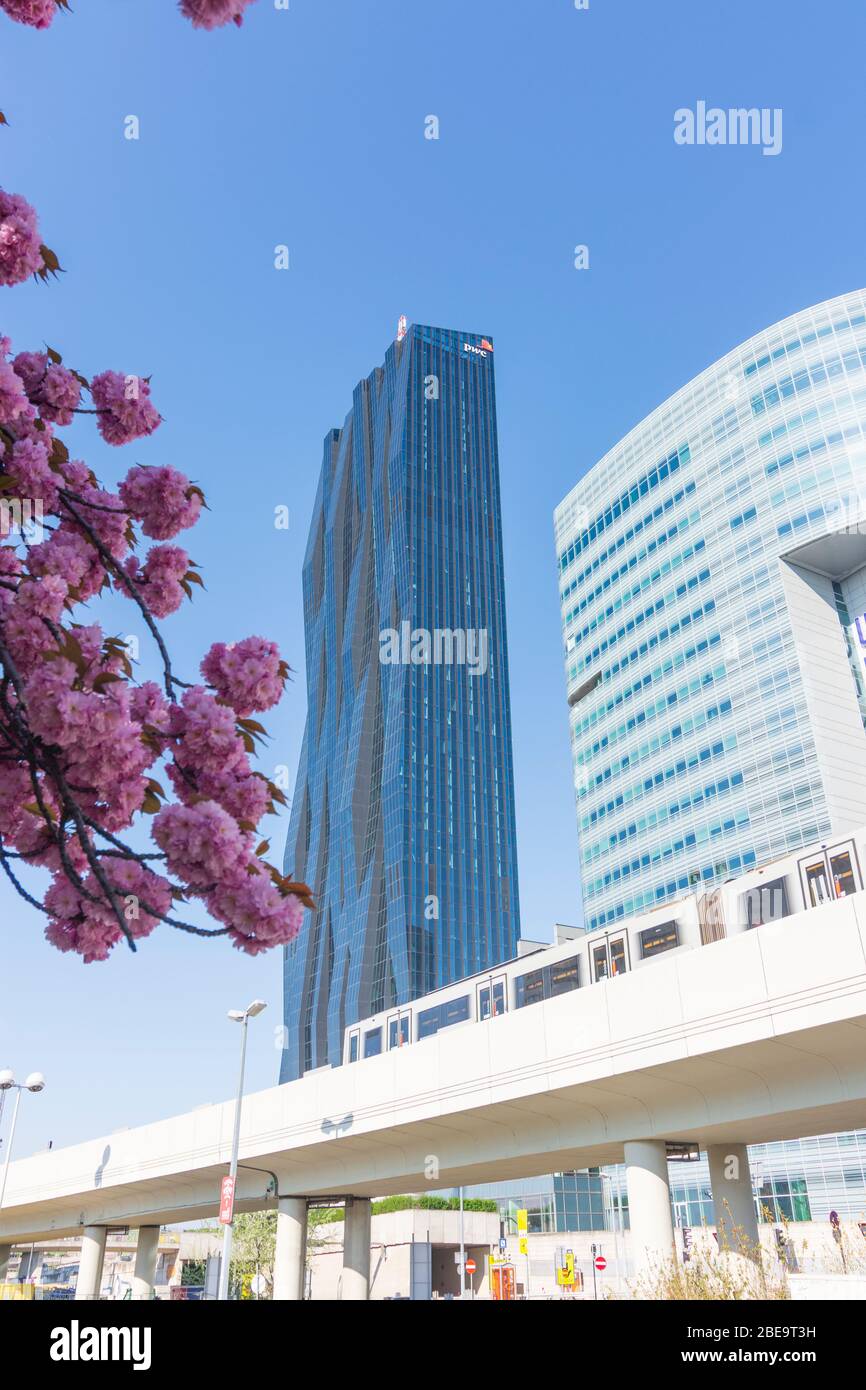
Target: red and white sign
471	1266
227	1200
600	1263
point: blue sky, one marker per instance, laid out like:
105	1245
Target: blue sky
306	128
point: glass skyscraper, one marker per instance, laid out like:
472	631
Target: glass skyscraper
712	573
402	820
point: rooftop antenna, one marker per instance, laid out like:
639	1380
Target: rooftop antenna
401	328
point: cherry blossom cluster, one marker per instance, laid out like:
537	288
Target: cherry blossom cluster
81	740
204	14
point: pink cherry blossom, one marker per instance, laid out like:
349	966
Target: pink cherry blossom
259	915
209	741
126	411
211	14
246	674
161	499
202	843
91	929
20	246
28	466
49	385
159	580
38	13
68	554
13	397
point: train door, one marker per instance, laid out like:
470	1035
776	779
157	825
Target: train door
609	957
491	997
830	874
398	1029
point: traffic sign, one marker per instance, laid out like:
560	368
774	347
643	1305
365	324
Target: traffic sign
470	1266
227	1200
503	1243
600	1263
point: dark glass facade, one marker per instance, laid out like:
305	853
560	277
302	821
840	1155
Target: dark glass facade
403	814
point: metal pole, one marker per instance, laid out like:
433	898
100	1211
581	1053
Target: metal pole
462	1249
9	1145
223	1291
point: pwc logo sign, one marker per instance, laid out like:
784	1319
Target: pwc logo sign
482	351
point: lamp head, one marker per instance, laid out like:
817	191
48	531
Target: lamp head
7	1079
35	1082
236	1015
256	1007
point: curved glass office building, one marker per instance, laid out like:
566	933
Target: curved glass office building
712	571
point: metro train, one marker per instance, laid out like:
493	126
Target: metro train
796	883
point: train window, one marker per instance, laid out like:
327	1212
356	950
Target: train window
398	1031
564	976
428	1022
767	902
373	1042
555	979
353	1047
498	1000
454	1011
816	881
664	937
530	988
443	1016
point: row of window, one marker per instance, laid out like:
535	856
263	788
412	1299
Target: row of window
640	618
807	377
796	344
665	469
628	536
663	635
651	746
675	562
672	663
738	821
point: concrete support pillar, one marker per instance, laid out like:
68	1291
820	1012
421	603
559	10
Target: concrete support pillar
146	1256
5	1256
733	1202
291	1252
356	1249
92	1260
649	1205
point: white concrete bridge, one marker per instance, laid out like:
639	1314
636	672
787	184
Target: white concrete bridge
757	1038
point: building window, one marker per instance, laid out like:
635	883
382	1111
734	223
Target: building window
373	1042
654	940
353	1047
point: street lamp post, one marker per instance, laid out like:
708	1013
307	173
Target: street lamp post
35	1082
242	1017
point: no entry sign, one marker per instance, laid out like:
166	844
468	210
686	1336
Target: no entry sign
600	1263
471	1266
